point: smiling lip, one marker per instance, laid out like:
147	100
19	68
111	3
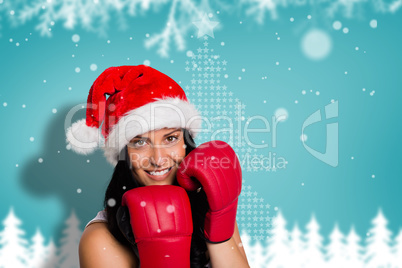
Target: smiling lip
159	170
159	177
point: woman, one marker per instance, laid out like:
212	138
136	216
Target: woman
148	126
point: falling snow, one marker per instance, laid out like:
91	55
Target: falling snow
111	202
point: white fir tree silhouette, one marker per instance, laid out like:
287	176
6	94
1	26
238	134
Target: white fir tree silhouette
336	249
354	250
245	238
51	257
69	243
313	252
13	249
378	251
397	248
284	249
256	256
297	247
278	243
259	258
37	250
246	243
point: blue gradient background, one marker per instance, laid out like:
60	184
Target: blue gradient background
43	195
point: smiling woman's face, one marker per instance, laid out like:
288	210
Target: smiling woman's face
155	155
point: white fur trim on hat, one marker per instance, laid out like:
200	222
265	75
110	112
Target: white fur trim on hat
81	138
166	113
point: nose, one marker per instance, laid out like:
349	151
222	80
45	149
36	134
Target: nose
159	156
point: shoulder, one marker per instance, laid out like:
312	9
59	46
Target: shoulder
98	248
100	217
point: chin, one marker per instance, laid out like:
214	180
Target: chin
160	183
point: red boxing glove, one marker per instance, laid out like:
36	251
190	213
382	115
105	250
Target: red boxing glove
216	167
160	217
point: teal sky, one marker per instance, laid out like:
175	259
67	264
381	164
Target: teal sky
267	68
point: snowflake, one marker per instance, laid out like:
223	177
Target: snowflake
97	16
257	9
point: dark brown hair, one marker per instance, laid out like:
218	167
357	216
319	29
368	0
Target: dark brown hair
123	180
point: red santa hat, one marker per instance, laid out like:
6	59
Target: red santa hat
141	99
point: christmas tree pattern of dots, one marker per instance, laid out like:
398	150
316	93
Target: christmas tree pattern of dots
213	99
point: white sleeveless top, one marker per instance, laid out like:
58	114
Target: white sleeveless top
101	217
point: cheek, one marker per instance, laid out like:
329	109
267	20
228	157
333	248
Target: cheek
139	160
178	152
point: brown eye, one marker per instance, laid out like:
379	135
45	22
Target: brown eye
138	143
174	138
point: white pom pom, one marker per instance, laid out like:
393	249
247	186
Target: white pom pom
81	138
